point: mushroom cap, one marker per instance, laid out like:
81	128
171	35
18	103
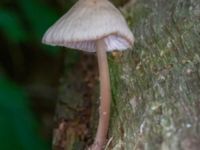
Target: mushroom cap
88	21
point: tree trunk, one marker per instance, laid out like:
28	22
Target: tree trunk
156	85
77	103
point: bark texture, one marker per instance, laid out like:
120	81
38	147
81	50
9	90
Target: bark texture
75	118
156	85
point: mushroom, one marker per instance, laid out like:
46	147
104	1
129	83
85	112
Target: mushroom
94	26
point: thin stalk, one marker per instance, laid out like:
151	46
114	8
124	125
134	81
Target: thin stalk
105	96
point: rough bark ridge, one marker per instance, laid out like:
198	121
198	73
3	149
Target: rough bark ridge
156	86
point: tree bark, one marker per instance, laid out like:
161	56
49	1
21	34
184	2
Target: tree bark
74	112
156	85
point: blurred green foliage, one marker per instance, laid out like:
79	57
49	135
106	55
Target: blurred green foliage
39	17
11	25
22	25
18	127
27	22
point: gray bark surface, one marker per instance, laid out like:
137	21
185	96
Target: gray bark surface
156	85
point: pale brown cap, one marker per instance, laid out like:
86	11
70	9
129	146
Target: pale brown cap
88	21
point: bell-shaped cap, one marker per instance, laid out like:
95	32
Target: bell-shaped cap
88	21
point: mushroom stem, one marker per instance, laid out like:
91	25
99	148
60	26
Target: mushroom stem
105	96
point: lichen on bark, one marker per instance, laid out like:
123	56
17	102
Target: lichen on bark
156	85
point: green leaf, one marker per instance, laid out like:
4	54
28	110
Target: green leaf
39	15
18	127
10	24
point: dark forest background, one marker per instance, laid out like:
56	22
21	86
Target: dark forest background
29	72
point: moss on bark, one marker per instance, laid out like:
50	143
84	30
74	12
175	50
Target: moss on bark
156	85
